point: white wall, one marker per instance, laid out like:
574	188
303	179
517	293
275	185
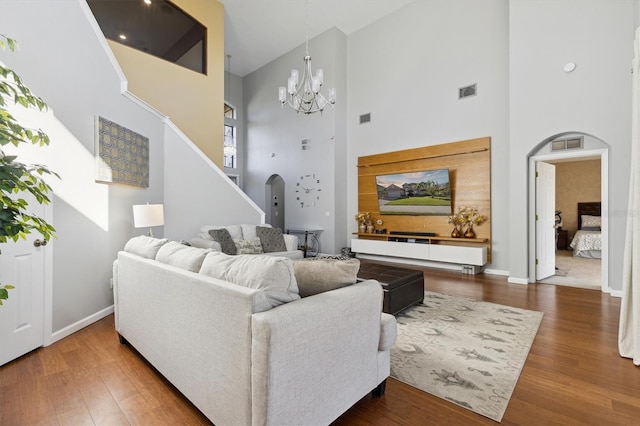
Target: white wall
545	101
406	70
68	66
197	193
273	138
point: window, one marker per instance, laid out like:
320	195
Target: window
156	27
230	146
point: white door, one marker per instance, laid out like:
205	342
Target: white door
545	220
22	315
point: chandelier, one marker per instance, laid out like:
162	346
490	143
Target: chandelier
303	95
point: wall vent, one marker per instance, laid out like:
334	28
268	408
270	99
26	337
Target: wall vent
465	92
365	118
569	143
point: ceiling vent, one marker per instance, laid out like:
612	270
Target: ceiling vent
465	92
569	143
365	118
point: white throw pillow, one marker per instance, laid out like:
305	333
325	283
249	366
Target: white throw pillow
144	246
274	275
185	257
248	246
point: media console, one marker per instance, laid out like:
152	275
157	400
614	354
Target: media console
467	254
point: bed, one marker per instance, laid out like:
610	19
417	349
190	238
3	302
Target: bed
587	242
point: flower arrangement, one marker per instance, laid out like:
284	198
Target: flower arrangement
466	216
363	218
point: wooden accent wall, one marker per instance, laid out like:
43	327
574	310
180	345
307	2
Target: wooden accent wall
469	164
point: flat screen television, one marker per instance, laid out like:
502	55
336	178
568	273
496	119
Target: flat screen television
423	193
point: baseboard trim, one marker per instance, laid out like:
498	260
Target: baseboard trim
496	272
514	280
69	330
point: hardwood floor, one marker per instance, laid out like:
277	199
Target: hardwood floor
573	374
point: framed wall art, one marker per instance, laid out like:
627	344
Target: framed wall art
122	155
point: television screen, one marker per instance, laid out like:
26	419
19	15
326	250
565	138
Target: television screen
416	193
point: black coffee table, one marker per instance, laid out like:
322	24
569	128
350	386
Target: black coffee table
402	287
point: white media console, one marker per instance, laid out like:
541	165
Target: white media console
466	258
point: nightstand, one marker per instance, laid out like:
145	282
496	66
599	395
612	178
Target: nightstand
563	239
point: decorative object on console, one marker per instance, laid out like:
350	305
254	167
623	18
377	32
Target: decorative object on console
465	217
363	219
306	97
148	215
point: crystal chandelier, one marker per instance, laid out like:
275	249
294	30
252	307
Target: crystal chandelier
303	95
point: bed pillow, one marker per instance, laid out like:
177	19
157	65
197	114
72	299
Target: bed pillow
591	221
324	274
223	237
271	239
271	274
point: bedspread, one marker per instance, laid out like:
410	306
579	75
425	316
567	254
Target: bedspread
585	242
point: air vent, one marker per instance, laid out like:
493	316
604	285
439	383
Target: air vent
465	92
569	143
365	118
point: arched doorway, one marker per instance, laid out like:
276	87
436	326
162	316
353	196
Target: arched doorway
274	201
551	151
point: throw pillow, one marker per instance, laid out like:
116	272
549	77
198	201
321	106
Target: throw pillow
324	274
181	256
271	239
271	274
144	246
223	237
249	246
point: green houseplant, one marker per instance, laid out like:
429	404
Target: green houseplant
17	178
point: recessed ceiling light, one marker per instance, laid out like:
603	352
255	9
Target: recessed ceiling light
569	67
122	37
147	1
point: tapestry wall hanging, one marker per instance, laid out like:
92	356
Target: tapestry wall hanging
122	155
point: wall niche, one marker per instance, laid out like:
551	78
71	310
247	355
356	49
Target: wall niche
469	164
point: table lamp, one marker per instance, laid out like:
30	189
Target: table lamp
148	215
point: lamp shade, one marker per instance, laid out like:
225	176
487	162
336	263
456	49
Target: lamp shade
147	215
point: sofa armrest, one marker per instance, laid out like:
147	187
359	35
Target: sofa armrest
321	345
291	242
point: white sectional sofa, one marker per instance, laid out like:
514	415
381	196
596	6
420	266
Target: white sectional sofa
245	232
252	351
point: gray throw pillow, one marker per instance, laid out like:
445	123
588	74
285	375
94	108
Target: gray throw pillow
271	239
222	237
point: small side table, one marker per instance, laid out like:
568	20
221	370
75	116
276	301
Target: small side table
311	245
563	239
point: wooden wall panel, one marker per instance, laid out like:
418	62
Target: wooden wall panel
469	164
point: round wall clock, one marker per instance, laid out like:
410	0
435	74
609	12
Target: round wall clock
308	190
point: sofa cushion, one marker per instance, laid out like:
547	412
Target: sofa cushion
273	275
223	237
271	239
248	246
181	256
324	274
249	231
144	246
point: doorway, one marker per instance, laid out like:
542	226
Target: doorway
274	201
565	260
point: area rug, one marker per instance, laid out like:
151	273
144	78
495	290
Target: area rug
463	350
